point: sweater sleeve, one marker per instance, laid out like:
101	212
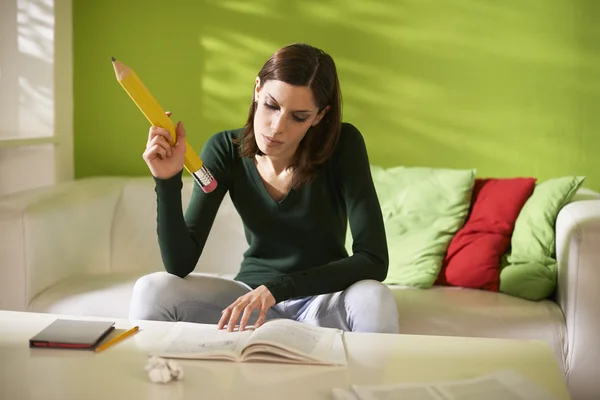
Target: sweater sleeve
369	259
182	236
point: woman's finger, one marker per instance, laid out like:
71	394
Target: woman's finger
153	152
248	310
224	318
235	315
158	140
225	314
158	131
159	150
262	315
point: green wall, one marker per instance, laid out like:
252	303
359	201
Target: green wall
511	88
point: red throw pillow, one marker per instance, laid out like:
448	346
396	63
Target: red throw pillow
474	254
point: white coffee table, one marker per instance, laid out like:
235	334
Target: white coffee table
118	373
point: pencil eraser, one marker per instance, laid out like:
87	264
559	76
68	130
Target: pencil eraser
210	187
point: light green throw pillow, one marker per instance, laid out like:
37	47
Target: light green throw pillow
529	270
422	209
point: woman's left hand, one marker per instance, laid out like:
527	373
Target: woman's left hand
259	299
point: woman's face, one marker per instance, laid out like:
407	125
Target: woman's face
284	113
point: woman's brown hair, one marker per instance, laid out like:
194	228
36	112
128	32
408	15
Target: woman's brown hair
300	64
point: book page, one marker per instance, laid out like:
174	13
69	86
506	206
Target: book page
188	340
312	342
404	392
502	385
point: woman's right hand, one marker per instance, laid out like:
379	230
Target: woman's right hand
163	160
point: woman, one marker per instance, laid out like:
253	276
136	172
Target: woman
296	174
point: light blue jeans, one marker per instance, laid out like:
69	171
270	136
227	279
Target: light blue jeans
366	306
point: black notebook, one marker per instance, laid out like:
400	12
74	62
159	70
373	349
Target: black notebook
72	334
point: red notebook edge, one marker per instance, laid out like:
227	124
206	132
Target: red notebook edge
62	345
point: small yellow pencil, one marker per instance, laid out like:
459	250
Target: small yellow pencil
117	339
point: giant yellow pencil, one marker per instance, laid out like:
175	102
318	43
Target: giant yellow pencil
154	113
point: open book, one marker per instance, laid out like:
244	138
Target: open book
279	340
500	385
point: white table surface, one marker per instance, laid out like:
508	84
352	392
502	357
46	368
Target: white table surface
118	373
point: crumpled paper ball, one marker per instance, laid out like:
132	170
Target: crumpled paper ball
161	370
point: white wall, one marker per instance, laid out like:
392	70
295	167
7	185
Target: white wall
36	94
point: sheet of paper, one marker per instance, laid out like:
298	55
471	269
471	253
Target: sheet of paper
501	385
344	394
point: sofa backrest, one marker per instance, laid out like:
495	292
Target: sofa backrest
134	244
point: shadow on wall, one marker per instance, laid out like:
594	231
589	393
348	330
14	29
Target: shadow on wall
505	87
500	87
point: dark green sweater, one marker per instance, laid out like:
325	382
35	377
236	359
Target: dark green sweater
297	245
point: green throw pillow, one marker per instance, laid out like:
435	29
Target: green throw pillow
422	208
529	270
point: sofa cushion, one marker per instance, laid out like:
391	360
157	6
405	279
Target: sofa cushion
455	311
106	295
133	239
529	270
475	252
422	209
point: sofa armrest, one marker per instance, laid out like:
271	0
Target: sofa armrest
578	256
52	233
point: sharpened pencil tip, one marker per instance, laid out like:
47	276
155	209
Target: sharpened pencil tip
113	59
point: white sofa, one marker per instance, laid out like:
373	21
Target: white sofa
78	248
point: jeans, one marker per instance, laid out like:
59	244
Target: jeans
366	306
